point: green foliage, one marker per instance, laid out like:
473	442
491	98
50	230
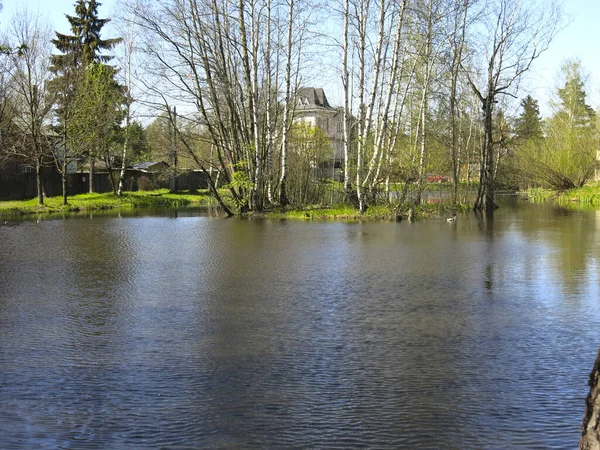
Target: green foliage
565	158
240	179
158	133
78	50
309	152
97	111
573	106
375	212
586	195
138	142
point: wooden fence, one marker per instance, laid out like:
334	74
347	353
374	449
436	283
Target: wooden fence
22	186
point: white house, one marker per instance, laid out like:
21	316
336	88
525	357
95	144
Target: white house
312	107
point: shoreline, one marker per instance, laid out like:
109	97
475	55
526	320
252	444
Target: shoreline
104	202
586	196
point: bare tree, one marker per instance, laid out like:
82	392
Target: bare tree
219	63
126	56
29	75
515	35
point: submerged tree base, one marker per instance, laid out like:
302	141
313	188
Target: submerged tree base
590	433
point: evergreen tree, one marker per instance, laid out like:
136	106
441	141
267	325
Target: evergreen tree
78	51
85	44
529	124
573	106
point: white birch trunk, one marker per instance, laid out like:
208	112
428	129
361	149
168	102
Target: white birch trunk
283	199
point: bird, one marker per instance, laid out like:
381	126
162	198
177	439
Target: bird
451	219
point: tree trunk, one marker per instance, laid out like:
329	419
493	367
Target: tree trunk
92	166
590	431
283	199
111	179
173	152
38	181
457	58
125	146
485	196
268	111
64	184
346	110
423	151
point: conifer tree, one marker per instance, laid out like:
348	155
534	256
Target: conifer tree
529	124
78	50
85	44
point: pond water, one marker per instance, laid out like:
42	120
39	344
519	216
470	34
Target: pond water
193	332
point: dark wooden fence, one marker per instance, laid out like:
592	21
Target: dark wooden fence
23	185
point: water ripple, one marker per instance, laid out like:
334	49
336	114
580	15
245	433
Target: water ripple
197	333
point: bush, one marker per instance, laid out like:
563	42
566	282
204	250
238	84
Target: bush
143	183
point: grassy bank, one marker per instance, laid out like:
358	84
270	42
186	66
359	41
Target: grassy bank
163	198
96	202
347	212
588	195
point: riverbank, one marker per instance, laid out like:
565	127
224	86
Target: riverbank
106	201
383	212
166	199
588	195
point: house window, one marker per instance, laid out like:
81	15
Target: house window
24	168
340	127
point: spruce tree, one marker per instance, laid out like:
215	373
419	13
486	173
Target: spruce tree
84	45
529	124
78	51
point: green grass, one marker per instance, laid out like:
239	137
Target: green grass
377	212
588	195
96	202
163	198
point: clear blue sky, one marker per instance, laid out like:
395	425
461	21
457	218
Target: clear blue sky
581	39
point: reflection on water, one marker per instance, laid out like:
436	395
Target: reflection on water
186	332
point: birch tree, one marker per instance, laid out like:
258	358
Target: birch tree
220	64
457	41
283	198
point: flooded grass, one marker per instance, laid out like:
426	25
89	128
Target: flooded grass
106	201
588	195
378	212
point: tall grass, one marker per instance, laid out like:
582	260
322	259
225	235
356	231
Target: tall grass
588	195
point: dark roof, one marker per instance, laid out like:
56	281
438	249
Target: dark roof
308	98
148	164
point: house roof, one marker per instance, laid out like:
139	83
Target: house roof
23	124
148	164
310	98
